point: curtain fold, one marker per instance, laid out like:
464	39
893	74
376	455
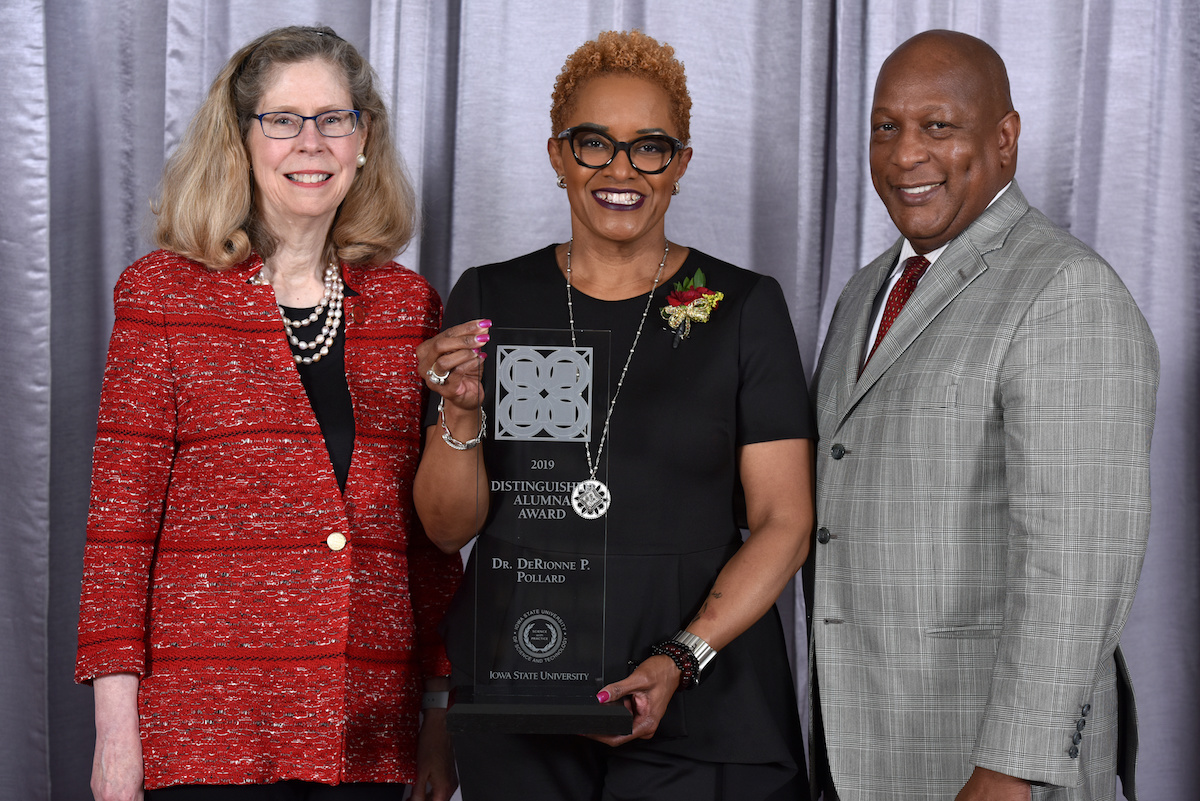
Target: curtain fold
414	50
102	91
25	408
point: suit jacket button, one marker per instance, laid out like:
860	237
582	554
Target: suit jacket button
336	541
838	450
1086	709
1079	724
822	535
1076	738
1074	752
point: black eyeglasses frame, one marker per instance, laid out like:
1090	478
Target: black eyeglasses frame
569	135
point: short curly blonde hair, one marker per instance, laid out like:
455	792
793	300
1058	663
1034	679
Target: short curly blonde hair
625	53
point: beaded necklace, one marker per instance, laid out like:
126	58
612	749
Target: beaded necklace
591	498
331	300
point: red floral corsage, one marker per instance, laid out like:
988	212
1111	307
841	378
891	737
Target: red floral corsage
691	302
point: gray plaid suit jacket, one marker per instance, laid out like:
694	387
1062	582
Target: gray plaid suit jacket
983	504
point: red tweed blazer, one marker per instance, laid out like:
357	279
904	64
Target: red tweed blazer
264	654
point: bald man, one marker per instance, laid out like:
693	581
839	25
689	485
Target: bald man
985	401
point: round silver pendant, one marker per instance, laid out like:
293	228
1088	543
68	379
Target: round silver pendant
590	499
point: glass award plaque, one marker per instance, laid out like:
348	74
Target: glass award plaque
538	567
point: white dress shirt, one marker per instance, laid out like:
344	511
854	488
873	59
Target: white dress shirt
906	251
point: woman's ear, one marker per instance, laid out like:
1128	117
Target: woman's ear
683	157
554	150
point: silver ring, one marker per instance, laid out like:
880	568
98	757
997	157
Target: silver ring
436	379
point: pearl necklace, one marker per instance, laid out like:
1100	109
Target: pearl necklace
335	293
591	498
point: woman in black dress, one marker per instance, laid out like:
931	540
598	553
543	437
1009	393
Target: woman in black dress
706	405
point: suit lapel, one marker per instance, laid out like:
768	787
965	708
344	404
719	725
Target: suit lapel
961	263
948	276
863	301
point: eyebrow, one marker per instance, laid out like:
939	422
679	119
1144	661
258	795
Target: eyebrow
927	109
295	110
604	128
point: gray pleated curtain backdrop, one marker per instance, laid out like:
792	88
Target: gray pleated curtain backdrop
96	92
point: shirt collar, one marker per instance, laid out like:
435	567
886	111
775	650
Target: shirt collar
907	250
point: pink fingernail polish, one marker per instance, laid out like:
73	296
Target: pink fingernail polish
485	323
482	338
476	351
603	696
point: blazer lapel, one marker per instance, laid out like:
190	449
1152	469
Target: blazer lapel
863	300
961	263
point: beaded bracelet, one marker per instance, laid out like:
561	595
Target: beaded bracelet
684	659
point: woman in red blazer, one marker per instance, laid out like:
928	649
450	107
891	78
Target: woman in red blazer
260	605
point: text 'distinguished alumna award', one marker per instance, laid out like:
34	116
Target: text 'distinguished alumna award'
539	567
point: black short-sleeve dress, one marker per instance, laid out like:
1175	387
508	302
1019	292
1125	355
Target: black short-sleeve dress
671	465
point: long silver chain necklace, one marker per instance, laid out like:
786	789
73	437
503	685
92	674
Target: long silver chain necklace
590	499
334	295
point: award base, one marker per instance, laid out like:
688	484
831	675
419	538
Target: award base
533	716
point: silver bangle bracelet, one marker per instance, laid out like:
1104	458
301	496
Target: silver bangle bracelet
449	438
703	652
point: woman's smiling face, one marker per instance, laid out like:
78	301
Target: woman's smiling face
302	181
616	202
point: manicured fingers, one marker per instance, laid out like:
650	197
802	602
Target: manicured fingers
457	349
467	336
626	692
619	689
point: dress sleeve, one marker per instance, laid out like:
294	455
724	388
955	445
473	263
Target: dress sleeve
464	303
433	576
131	466
772	395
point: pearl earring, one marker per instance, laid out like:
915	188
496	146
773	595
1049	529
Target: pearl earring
562	182
362	160
675	189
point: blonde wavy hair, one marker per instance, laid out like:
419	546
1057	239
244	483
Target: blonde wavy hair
206	209
626	53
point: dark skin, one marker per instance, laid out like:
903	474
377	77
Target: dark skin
943	144
618	236
943	135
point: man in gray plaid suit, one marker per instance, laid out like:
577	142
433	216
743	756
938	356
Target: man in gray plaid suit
983	485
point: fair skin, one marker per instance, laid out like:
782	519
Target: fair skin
299	184
618	230
437	778
117	762
943	143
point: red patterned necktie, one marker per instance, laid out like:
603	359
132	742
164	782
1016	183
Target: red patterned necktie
914	268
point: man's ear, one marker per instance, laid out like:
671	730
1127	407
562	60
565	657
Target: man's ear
1009	130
